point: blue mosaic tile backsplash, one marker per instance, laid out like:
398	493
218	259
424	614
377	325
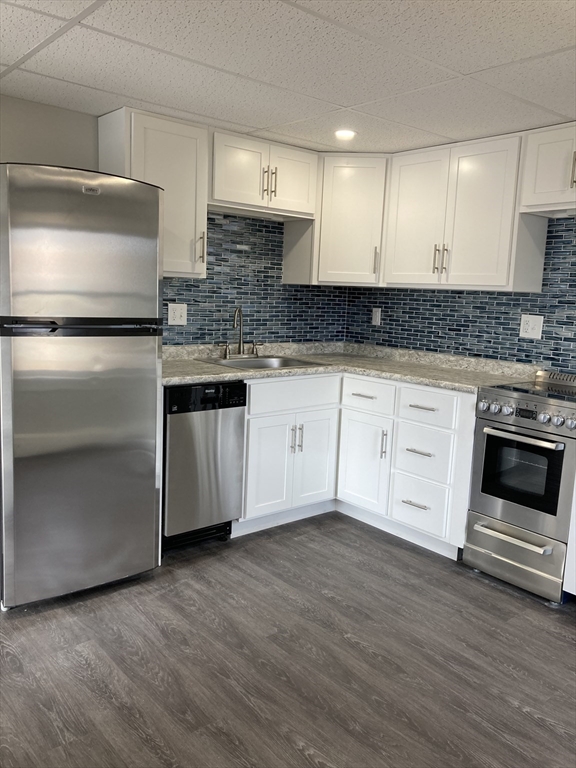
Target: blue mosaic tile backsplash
480	323
245	267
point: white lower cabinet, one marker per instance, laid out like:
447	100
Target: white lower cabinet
364	471
419	504
291	461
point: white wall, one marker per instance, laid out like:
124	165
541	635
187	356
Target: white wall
37	133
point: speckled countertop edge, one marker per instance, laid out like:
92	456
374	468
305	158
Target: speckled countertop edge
190	371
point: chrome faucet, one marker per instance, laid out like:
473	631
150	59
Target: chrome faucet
239	323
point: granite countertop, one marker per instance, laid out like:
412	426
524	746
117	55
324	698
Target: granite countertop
415	371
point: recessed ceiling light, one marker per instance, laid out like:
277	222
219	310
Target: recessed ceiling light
345	134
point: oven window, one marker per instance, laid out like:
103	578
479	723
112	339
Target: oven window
523	474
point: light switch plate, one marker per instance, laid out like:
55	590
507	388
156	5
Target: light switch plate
376	316
177	314
531	326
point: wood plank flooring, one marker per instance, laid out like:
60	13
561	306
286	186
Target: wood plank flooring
321	643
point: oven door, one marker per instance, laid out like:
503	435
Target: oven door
523	477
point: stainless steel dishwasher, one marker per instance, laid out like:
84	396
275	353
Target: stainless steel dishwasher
204	461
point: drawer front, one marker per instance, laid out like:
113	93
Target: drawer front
368	395
424	452
293	394
419	504
437	409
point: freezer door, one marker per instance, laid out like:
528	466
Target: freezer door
81	474
78	244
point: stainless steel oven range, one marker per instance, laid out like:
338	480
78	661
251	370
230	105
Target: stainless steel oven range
523	482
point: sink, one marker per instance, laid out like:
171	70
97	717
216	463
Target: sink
260	362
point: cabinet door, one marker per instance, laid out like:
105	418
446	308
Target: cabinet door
418	190
315	459
174	156
351	224
241	173
270	464
365	448
480	213
293	179
550	168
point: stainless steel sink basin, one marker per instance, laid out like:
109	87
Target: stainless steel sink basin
260	362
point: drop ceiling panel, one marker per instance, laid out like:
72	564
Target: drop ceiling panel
21	30
272	42
464	35
34	87
283	139
549	81
373	135
462	109
121	67
66	9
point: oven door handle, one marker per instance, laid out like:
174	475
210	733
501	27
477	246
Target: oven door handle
524	439
481	528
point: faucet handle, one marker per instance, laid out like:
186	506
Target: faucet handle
255	345
226	346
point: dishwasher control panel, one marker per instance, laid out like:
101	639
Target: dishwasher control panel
205	397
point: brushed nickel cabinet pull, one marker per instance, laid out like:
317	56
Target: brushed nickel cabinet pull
375	268
293	442
421	407
301	435
274	177
265	178
203	251
383	444
573	174
366	397
420	453
444	257
436	254
414	504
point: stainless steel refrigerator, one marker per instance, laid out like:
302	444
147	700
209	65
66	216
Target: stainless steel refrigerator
80	379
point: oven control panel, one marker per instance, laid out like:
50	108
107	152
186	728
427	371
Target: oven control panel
557	418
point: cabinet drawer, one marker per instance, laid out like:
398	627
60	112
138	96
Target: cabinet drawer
428	407
420	504
424	452
293	394
368	395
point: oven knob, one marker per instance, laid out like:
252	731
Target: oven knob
571	423
507	410
495	408
483	405
543	418
557	420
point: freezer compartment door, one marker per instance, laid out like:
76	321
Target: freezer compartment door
78	244
83	485
204	469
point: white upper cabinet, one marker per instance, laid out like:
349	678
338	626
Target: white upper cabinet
252	172
173	155
549	170
417	212
351	220
480	213
452	213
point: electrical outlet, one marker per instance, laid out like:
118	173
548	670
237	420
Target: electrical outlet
531	326
177	314
376	316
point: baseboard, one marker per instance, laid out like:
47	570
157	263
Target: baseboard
242	527
397	529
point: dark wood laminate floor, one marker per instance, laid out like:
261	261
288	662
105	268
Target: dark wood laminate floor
321	643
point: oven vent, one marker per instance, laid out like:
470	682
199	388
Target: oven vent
555	377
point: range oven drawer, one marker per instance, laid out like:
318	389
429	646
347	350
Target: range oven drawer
528	560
